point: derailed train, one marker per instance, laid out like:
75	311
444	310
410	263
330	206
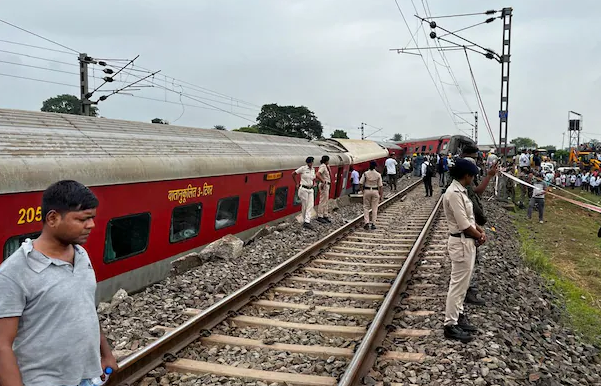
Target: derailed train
164	191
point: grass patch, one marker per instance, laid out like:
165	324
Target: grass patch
566	251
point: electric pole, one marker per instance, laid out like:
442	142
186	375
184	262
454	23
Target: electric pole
83	83
506	15
476	127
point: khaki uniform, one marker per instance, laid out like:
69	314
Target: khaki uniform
371	181
459	211
324	191
305	192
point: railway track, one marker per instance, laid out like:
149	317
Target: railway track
324	317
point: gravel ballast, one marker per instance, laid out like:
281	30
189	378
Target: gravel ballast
128	320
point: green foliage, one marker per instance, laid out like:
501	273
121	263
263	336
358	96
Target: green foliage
248	129
289	121
524	143
339	134
397	137
160	121
66	104
561	156
550	148
219	127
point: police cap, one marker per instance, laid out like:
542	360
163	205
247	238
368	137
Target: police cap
465	166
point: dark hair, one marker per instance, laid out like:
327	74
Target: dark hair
324	159
67	196
309	160
372	165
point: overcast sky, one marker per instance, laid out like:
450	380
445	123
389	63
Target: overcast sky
329	55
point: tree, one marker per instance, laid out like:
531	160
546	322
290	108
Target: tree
66	104
248	129
289	121
550	148
562	156
160	121
524	143
219	127
397	137
339	134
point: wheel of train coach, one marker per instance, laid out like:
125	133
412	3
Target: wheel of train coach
164	191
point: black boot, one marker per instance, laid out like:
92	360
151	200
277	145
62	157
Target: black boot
373	226
308	225
455	332
465	325
471	297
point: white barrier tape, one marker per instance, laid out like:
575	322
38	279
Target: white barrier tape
594	208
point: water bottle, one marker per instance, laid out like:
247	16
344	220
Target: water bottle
98	381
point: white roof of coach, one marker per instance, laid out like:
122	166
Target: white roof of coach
361	150
37	149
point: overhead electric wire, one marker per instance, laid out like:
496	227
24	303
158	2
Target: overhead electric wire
38	47
425	64
489	12
153	83
38	67
200	88
465	28
38	80
481	103
39	36
40	58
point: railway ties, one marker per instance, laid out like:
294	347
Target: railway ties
304	329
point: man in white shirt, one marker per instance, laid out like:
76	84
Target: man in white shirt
427	176
354	180
305	189
407	168
538	197
492	158
524	160
391	165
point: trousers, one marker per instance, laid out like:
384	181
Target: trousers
428	185
371	199
462	252
308	201
392	178
540	202
324	198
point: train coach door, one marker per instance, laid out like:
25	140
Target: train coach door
341	176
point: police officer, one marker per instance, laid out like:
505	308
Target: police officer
464	236
371	185
474	192
323	175
305	190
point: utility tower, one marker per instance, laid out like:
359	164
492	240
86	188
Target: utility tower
506	15
574	129
476	127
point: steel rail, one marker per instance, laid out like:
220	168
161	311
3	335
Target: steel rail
165	348
367	352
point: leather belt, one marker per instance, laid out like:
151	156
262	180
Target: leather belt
459	235
368	188
307	186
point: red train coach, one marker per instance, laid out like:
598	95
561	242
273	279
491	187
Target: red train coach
446	144
164	190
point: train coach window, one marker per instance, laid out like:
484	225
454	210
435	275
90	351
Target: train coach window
445	146
430	147
423	148
281	199
227	212
257	205
15	242
185	222
126	237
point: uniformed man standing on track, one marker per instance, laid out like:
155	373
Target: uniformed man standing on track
305	190
323	175
371	185
464	236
